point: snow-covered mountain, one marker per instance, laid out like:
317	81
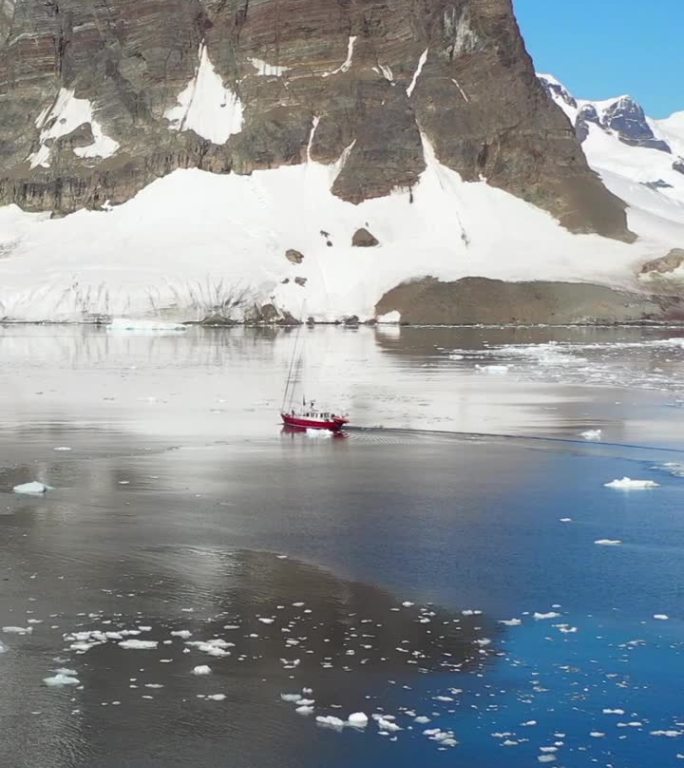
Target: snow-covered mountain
639	159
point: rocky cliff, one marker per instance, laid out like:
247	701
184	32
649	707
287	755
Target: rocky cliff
100	97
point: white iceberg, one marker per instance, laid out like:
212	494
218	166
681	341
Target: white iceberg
627	484
358	719
138	645
32	489
608	542
60	679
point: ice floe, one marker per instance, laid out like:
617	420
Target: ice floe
60	679
34	488
608	542
201	669
591	434
17	630
627	484
138	645
358	719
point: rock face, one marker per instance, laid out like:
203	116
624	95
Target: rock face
674	260
475	300
362	238
678	165
100	97
627	118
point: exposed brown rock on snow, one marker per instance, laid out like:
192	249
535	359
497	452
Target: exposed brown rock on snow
475	300
294	256
665	264
362	238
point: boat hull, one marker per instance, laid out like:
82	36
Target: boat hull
300	422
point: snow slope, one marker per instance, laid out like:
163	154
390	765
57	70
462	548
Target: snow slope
193	240
192	243
644	178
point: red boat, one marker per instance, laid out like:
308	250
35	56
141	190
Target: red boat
307	416
312	418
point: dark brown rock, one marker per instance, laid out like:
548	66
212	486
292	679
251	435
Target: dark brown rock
476	101
475	300
293	256
362	238
665	264
300	281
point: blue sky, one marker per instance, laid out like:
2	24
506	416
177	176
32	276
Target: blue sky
604	48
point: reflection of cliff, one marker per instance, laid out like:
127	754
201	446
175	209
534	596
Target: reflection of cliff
342	639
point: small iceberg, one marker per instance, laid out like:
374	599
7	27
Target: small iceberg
131	325
60	680
138	645
591	434
358	719
32	489
608	542
627	484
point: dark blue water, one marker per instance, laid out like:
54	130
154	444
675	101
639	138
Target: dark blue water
154	524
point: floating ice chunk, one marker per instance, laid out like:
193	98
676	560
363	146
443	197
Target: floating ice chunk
17	630
358	719
60	680
608	542
266	621
613	711
591	434
62	448
32	489
546	758
545	616
184	634
511	622
131	325
597	734
330	721
627	484
304	710
670	734
566	519
660	616
3	647
386	724
291	697
201	669
216	696
493	370
138	645
421	720
407	604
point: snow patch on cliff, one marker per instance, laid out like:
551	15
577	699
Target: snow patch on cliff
263	69
346	64
66	114
206	106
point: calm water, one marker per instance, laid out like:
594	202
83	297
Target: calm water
395	572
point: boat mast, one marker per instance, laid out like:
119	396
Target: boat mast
293	373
